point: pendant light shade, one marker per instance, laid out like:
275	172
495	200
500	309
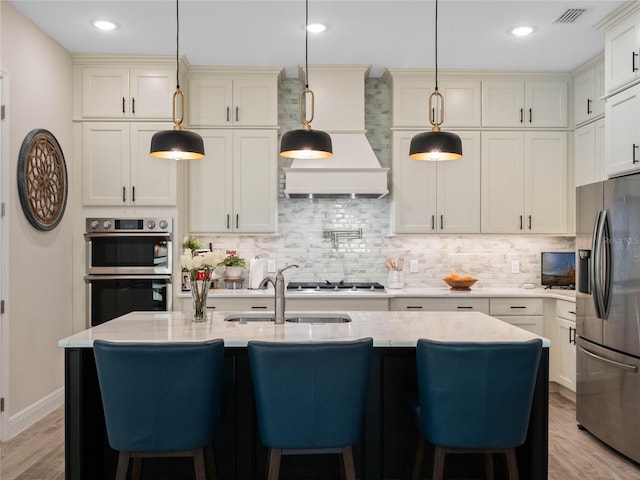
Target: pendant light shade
305	142
436	145
177	144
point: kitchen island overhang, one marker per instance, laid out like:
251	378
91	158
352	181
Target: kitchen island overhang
389	437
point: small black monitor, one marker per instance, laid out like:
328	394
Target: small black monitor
558	269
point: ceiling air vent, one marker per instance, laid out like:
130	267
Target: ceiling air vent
570	15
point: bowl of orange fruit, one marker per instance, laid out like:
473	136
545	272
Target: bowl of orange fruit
459	282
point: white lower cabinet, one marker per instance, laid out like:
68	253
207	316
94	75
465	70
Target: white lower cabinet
439	304
526	313
564	354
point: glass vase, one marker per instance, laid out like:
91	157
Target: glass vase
200	284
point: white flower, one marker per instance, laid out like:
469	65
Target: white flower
212	259
186	261
198	262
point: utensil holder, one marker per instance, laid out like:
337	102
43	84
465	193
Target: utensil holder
395	279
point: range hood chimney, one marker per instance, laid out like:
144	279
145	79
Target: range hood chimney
353	170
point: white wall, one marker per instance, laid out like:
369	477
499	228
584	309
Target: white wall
40	263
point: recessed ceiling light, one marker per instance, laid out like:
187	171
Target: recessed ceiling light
521	31
105	25
316	27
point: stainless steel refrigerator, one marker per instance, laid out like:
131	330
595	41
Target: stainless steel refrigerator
608	312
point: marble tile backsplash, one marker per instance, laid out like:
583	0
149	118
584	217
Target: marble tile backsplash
301	241
301	224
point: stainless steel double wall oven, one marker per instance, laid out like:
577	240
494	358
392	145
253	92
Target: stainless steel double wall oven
128	266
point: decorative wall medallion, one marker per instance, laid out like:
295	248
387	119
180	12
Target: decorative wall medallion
42	179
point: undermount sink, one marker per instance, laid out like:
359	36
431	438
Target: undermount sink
297	318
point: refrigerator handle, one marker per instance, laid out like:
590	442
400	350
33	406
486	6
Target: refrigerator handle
613	363
596	264
606	264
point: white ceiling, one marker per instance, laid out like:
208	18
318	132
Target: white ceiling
473	34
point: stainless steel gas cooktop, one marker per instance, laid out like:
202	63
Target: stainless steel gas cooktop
340	286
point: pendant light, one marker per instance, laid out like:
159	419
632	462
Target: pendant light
177	144
304	142
436	145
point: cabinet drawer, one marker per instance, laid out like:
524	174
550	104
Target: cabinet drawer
516	306
566	310
240	304
337	304
440	304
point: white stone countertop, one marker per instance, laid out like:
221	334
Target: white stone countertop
388	329
428	292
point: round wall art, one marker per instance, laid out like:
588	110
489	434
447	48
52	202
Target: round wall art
42	179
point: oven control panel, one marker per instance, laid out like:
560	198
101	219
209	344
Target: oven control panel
132	225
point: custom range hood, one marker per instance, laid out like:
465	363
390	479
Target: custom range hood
353	171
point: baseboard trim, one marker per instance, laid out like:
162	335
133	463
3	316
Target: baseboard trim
35	412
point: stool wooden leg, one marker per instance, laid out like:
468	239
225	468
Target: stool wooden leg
123	466
210	462
349	466
417	464
198	464
488	466
274	463
136	468
512	463
438	463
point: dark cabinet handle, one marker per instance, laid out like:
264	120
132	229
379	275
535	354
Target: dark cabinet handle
414	307
520	222
464	307
634	68
133	194
237	114
237	220
633	153
258	307
522	115
519	307
589	111
441	222
572	335
133	105
227	114
572	312
433	222
227	221
123	100
124	194
530	115
529	222
433	115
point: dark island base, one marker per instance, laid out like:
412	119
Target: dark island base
385	452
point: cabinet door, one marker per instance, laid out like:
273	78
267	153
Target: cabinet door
458	189
255	182
210	100
503	103
210	184
598	101
621	54
414	189
623	132
151	92
502	190
546	103
529	323
567	370
255	101
153	180
105	92
545	184
105	163
584	154
411	103
584	87
462	103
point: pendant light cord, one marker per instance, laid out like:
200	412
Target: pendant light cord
306	45
177	46
436	32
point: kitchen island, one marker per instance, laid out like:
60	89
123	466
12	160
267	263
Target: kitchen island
389	437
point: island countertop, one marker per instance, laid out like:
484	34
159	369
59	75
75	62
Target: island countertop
388	329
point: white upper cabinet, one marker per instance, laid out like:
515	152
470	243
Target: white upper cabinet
411	91
125	92
621	49
436	197
623	132
117	167
589	148
524	182
588	90
233	98
518	103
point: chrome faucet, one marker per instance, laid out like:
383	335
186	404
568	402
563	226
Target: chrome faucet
278	286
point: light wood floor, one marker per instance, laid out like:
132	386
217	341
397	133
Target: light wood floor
38	453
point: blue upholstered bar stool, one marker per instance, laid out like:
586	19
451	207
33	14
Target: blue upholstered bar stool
161	400
310	397
475	397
